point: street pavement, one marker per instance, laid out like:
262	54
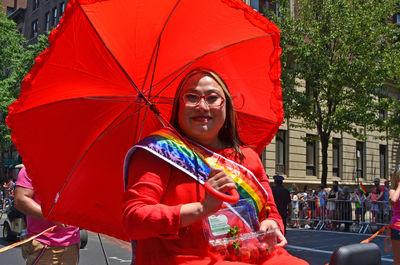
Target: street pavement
316	247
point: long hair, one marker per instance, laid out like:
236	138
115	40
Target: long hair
228	134
395	179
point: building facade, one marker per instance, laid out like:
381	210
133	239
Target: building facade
41	16
350	161
10	6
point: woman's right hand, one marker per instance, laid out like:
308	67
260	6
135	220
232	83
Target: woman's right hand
222	182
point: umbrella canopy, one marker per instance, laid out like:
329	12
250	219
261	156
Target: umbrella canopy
86	100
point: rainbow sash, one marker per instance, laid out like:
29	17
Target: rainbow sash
166	145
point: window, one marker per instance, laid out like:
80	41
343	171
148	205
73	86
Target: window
55	17
396	19
311	156
47	21
255	4
35	4
273	6
382	113
62	8
382	160
280	152
35	25
336	157
360	159
10	10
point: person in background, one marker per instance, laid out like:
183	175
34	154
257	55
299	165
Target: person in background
346	208
321	196
386	204
294	188
394	194
8	187
376	198
321	193
295	209
282	198
336	183
361	208
333	196
60	246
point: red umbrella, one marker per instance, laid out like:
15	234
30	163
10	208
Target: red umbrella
87	99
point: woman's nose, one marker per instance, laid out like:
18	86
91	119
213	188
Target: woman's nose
203	104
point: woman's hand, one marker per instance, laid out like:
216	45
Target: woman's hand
269	225
222	182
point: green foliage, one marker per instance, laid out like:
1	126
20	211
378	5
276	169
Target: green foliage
342	52
15	63
345	51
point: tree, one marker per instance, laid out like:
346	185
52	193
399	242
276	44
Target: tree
344	52
15	62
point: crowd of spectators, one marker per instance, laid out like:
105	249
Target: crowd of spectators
6	191
338	208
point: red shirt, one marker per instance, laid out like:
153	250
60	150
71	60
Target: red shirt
152	202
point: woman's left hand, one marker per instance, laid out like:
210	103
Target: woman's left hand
269	225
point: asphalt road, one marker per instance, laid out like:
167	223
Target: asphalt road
316	247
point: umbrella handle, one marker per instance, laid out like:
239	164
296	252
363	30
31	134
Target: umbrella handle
232	197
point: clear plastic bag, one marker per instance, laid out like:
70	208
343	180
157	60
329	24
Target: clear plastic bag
233	233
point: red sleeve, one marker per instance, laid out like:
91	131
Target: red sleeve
143	214
259	172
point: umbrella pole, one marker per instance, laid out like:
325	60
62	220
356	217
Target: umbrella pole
102	248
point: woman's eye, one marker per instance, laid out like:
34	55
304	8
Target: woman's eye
212	99
192	97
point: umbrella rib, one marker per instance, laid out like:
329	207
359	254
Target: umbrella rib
99	137
155	56
157	48
115	59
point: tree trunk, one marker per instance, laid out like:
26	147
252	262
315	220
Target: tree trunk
324	150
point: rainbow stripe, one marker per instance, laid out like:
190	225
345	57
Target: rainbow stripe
169	147
362	189
359	199
41	253
319	201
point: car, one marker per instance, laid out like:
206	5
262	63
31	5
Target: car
14	226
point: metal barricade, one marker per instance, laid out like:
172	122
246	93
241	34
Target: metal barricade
306	213
333	214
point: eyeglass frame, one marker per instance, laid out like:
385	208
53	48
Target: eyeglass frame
203	98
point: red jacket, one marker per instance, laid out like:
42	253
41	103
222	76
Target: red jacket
152	202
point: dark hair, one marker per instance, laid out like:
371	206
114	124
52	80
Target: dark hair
279	182
395	178
228	134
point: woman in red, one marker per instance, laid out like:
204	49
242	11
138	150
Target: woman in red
164	207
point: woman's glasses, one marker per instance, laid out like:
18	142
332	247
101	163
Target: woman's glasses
212	100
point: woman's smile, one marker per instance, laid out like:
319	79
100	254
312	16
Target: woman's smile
201	119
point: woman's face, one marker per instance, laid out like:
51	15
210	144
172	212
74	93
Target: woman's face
202	122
